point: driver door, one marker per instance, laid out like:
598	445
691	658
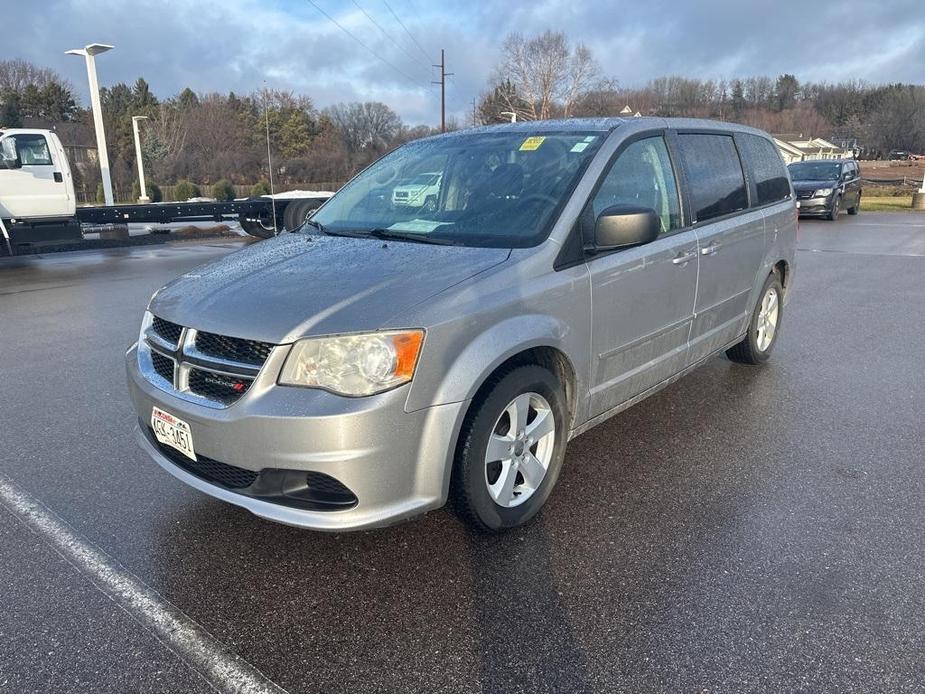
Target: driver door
642	297
37	188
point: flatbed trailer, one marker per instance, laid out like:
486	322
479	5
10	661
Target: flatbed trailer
37	201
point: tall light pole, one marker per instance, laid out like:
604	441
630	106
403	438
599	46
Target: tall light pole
90	52
141	165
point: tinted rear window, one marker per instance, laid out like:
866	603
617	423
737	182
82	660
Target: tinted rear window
715	174
767	169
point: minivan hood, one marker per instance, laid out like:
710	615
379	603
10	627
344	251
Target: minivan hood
297	285
814	185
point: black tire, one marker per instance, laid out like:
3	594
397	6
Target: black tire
297	212
835	209
747	351
469	486
857	206
262	228
430	204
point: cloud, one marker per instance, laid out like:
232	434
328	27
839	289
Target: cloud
240	45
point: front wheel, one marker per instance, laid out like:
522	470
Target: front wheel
835	209
511	449
763	327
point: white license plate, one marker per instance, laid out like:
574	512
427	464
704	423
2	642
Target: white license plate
172	432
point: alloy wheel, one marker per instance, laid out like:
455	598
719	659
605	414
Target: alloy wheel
768	314
520	449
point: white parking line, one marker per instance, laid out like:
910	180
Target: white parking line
194	645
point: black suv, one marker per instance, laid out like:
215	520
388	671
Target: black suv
825	187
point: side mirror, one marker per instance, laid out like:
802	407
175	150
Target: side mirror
9	155
620	226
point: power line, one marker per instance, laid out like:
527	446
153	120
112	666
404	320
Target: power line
410	35
354	37
387	35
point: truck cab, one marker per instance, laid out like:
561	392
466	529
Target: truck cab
35	179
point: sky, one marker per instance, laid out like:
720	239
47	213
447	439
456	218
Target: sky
243	45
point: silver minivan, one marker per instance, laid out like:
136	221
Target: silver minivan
385	358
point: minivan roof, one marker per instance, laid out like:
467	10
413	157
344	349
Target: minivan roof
607	125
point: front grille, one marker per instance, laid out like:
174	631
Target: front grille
805	194
167	330
218	387
208	469
163	366
206	368
233	348
296	488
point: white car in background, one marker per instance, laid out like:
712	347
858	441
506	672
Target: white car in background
421	191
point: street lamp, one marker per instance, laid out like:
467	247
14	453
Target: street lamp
90	52
141	166
512	115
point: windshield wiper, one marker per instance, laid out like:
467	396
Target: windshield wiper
316	225
388	235
409	236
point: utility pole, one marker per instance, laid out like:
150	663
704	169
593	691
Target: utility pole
443	75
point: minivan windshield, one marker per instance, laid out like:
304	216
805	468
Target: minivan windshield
499	189
814	171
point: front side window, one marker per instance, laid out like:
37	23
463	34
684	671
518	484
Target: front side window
33	150
767	169
498	189
642	176
715	174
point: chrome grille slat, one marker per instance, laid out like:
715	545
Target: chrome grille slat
198	376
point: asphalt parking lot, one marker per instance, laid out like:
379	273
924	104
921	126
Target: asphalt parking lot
746	529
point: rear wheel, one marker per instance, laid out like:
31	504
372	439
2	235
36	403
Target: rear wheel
857	206
511	449
763	327
297	212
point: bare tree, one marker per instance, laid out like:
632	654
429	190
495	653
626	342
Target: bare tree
546	73
17	74
370	126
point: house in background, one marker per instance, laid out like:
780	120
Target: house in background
797	147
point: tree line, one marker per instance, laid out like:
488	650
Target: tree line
206	137
209	137
548	76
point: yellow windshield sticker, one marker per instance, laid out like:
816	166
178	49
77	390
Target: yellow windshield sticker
532	144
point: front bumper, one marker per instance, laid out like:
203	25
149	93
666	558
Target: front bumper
816	206
396	463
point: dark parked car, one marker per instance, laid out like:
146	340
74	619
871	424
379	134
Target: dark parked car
825	187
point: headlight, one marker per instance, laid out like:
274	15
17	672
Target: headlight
823	192
353	364
145	324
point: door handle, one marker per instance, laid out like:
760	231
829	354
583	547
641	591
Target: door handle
711	249
58	177
684	258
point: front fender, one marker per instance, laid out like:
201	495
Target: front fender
463	375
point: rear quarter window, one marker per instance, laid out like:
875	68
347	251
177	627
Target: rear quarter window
714	173
767	169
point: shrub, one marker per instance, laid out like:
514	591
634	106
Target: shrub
153	190
223	191
184	190
260	188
